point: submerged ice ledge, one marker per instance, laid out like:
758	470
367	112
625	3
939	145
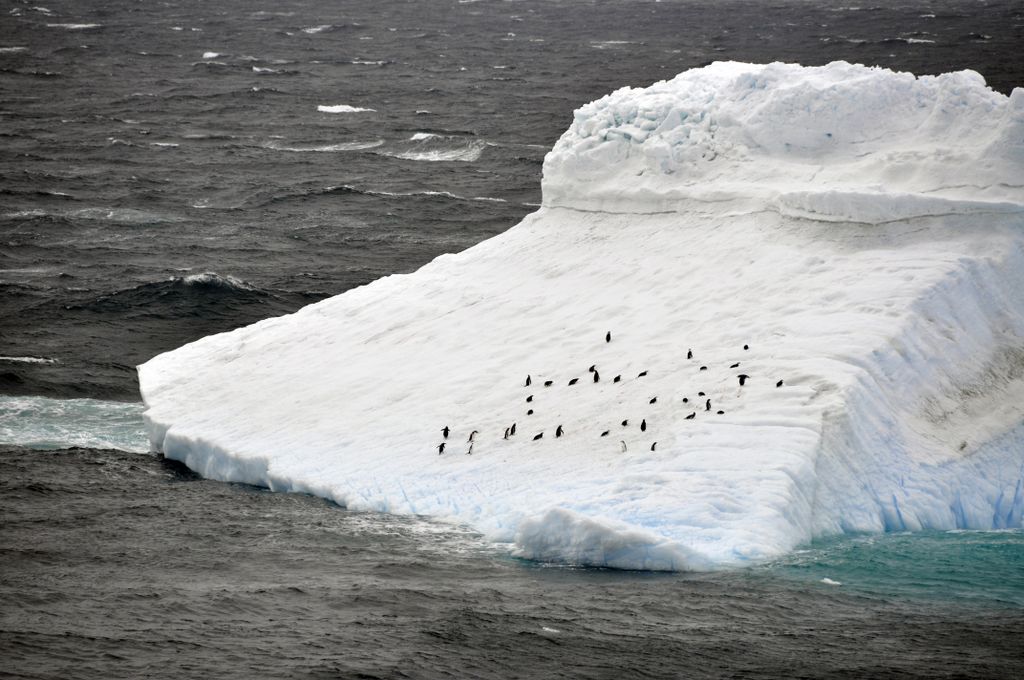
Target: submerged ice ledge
707	213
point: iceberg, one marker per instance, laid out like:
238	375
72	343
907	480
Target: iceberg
800	292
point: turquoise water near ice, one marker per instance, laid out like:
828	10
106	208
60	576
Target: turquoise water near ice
982	567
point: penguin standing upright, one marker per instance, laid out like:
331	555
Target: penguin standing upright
558	431
608	336
471	435
529	381
707	406
506	434
440	448
689	354
512	430
597	376
743	378
445	431
643	425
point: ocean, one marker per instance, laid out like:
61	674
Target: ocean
176	170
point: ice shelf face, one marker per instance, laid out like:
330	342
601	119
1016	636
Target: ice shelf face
898	340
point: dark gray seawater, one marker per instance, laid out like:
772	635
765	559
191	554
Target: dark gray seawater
152	194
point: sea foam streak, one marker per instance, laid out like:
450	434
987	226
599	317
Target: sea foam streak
808	224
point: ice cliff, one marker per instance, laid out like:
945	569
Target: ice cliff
859	231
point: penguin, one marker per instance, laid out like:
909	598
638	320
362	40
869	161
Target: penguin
440	448
558	432
469	452
529	399
625	422
574	381
617	378
746	346
597	377
608	336
700	394
703	368
643	425
778	384
721	413
530	412
512	430
471	435
689	354
506	434
445	431
623	445
743	378
592	368
736	365
691	416
653	401
641	374
537	436
605	433
549	383
653	445
528	381
707	406
686	400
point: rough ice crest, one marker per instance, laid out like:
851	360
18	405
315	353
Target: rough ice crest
859	229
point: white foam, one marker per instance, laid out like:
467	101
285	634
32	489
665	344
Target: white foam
341	108
42	423
819	215
327	148
75	27
211	55
28	360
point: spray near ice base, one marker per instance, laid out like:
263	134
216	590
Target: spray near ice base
817	215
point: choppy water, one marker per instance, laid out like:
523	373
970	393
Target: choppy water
168	172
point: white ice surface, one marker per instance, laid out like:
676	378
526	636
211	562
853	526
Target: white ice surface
860	230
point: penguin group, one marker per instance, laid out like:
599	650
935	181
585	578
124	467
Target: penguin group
708	407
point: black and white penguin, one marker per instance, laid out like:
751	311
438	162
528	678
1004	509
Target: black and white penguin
623	445
608	336
445	431
528	381
597	377
653	445
625	422
469	451
605	433
653	401
641	374
707	406
549	383
686	400
440	448
643	425
529	399
691	416
703	368
558	431
617	378
689	354
512	430
700	394
537	436
592	368
746	346
471	435
720	412
574	381
778	384
530	412
736	365
506	434
743	378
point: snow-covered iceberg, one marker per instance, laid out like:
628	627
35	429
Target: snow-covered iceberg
849	238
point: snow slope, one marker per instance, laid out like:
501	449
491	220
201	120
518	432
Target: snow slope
860	231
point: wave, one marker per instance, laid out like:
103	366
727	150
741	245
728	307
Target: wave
75	27
342	108
325	148
433	148
29	360
44	423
